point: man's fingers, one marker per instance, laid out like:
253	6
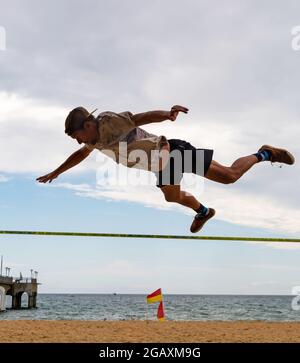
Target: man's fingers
42	179
184	109
180	108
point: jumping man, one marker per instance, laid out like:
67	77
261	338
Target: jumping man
109	130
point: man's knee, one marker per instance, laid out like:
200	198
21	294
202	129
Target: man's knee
171	197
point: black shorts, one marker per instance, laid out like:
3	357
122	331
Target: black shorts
187	159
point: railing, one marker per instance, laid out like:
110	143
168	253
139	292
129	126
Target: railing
25	280
11	280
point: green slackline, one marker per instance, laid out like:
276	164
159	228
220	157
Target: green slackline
126	235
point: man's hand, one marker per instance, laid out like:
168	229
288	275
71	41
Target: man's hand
76	158
175	111
48	177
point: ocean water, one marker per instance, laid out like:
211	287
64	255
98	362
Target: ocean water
177	307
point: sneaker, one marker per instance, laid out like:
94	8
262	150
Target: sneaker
200	220
279	155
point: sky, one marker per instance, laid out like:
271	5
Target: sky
235	66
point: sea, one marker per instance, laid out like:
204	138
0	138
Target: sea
176	307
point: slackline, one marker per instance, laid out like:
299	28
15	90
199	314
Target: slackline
153	236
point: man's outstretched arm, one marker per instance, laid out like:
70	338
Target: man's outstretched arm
158	116
72	160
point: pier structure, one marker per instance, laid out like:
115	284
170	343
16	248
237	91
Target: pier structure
16	287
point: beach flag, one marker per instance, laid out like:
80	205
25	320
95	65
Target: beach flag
160	312
156	296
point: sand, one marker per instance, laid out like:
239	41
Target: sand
147	331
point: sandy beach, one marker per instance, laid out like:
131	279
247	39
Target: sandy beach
147	331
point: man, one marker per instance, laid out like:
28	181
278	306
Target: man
109	130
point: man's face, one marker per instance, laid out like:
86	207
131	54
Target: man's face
80	136
86	135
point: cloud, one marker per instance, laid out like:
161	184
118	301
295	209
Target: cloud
4	178
284	245
221	61
245	209
32	135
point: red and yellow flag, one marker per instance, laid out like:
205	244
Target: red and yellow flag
160	312
156	296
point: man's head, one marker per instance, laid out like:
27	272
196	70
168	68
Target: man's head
82	126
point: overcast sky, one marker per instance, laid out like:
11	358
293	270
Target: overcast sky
231	63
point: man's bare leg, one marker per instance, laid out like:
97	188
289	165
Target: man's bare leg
173	193
226	175
230	174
